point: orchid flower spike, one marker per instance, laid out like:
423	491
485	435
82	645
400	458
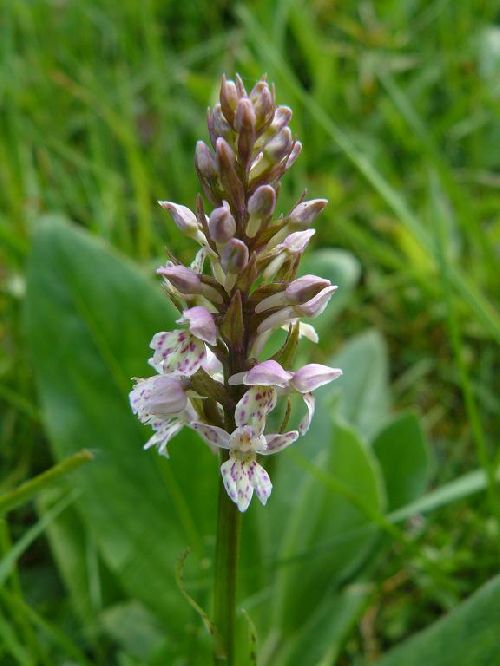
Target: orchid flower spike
240	288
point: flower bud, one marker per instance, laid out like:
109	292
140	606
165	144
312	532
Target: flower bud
228	98
234	256
245	116
205	161
201	323
184	279
189	283
295	152
279	145
262	202
306	212
226	163
304	288
263	103
317	304
268	373
282	117
159	396
166	398
222	225
294	244
261	206
297	242
184	218
217	125
300	290
312	376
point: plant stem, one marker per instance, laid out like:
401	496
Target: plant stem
226	563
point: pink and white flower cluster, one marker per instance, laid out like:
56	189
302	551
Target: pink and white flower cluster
241	288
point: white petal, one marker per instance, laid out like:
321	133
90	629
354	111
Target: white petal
245	439
277	319
237	379
212	365
260	480
201	323
305	331
163	435
308	398
279	441
213	435
236	481
254	406
313	375
178	352
197	264
267	373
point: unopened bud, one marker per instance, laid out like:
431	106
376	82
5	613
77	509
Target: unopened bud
304	288
317	304
156	397
282	117
183	279
226	162
217	125
228	98
222	225
245	116
306	212
262	202
313	375
165	397
225	156
298	291
297	242
201	323
205	161
189	283
261	206
263	103
279	145
234	256
295	152
183	217
294	244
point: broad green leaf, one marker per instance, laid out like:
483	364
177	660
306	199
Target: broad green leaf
319	515
403	454
134	629
90	317
468	636
321	637
363	389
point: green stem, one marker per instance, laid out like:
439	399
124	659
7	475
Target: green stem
226	563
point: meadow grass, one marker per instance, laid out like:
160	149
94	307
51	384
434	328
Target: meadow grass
397	104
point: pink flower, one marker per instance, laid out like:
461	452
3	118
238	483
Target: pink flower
306	212
304	381
161	402
242	474
299	291
188	282
312	308
183	352
201	323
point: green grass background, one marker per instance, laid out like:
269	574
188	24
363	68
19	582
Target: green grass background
397	104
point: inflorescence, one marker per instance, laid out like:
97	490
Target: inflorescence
240	288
